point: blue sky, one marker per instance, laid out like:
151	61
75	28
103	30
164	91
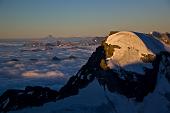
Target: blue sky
68	18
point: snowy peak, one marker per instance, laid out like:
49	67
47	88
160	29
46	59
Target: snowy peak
136	51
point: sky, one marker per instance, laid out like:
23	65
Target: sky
75	18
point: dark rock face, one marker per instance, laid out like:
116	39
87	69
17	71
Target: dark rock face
31	96
84	76
133	85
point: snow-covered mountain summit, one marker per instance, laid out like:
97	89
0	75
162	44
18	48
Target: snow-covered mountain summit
134	48
128	73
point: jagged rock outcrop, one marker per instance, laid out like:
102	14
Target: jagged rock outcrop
32	96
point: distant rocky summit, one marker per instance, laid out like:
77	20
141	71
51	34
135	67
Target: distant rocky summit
131	66
113	32
165	37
